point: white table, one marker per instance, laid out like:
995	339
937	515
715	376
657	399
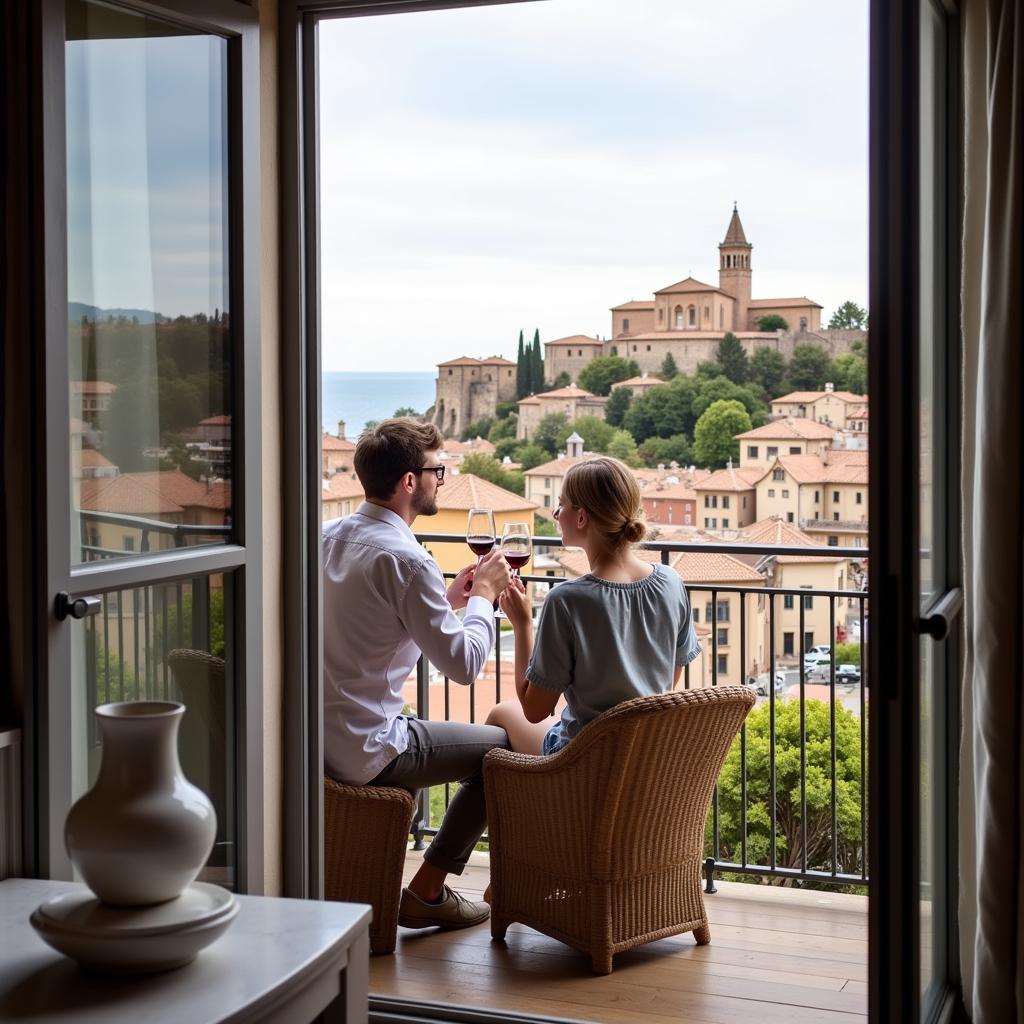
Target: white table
281	960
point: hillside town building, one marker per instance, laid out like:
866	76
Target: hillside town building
686	320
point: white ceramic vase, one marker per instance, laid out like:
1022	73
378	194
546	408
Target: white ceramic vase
143	832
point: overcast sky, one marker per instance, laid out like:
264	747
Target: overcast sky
525	166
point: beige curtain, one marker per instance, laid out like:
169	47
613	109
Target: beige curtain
992	754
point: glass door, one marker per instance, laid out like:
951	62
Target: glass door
916	596
151	367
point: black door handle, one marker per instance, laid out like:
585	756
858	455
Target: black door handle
938	622
67	607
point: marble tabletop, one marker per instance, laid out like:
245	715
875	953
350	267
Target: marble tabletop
281	960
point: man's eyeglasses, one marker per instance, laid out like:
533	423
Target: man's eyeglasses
438	471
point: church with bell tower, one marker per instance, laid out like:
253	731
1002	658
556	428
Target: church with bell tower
689	318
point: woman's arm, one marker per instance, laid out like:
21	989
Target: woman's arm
537	703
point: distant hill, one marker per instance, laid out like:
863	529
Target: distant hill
77	310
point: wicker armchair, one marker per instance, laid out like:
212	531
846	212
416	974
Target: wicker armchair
202	739
600	845
366	829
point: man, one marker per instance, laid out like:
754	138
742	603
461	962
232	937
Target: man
384	603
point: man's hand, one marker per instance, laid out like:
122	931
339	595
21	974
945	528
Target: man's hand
491	577
515	604
459	588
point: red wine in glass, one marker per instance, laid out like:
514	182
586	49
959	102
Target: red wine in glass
480	545
517	559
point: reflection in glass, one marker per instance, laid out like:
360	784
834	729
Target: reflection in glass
165	642
149	329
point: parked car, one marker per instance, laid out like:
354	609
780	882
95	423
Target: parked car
847	673
817	660
818	649
759	684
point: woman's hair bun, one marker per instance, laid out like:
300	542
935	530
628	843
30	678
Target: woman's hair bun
634	531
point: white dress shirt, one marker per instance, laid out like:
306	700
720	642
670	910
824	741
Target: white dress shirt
385	601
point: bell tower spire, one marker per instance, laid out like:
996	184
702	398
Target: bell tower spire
734	270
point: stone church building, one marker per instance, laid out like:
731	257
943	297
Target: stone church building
689	318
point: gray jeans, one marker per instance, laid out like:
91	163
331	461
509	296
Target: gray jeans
440	752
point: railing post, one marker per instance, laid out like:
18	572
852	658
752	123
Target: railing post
709	875
422	822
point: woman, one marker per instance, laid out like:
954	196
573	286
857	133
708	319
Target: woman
623	630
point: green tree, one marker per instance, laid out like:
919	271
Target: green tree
536	364
563	380
666	450
617	404
503	410
732	358
507	446
849	782
708	369
502	428
544	527
663	411
714	436
522	370
549	430
849	317
481	428
768	370
668	367
809	368
406	411
720	388
850	373
530	455
370	425
847	654
489	468
772	322
596	433
623	447
601	373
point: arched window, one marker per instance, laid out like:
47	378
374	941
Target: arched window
691	316
679	318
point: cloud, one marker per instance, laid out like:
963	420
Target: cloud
495	168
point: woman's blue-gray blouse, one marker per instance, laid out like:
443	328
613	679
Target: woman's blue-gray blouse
601	643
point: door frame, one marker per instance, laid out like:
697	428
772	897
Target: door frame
893	374
47	793
300	376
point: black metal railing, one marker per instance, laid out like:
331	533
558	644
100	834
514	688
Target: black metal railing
791	802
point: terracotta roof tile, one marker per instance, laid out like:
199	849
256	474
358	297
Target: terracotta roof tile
557	467
331	443
812	396
340	486
730	479
463	491
795	427
770	303
461	361
92	387
633	305
691	284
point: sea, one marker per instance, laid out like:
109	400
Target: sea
357	398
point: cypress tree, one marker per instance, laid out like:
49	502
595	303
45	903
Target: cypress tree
538	362
522	371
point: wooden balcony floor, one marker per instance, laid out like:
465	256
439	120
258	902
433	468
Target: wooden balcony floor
775	955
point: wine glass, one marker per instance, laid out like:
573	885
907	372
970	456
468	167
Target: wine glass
515	545
480	531
480	536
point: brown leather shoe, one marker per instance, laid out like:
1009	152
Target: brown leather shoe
454	911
